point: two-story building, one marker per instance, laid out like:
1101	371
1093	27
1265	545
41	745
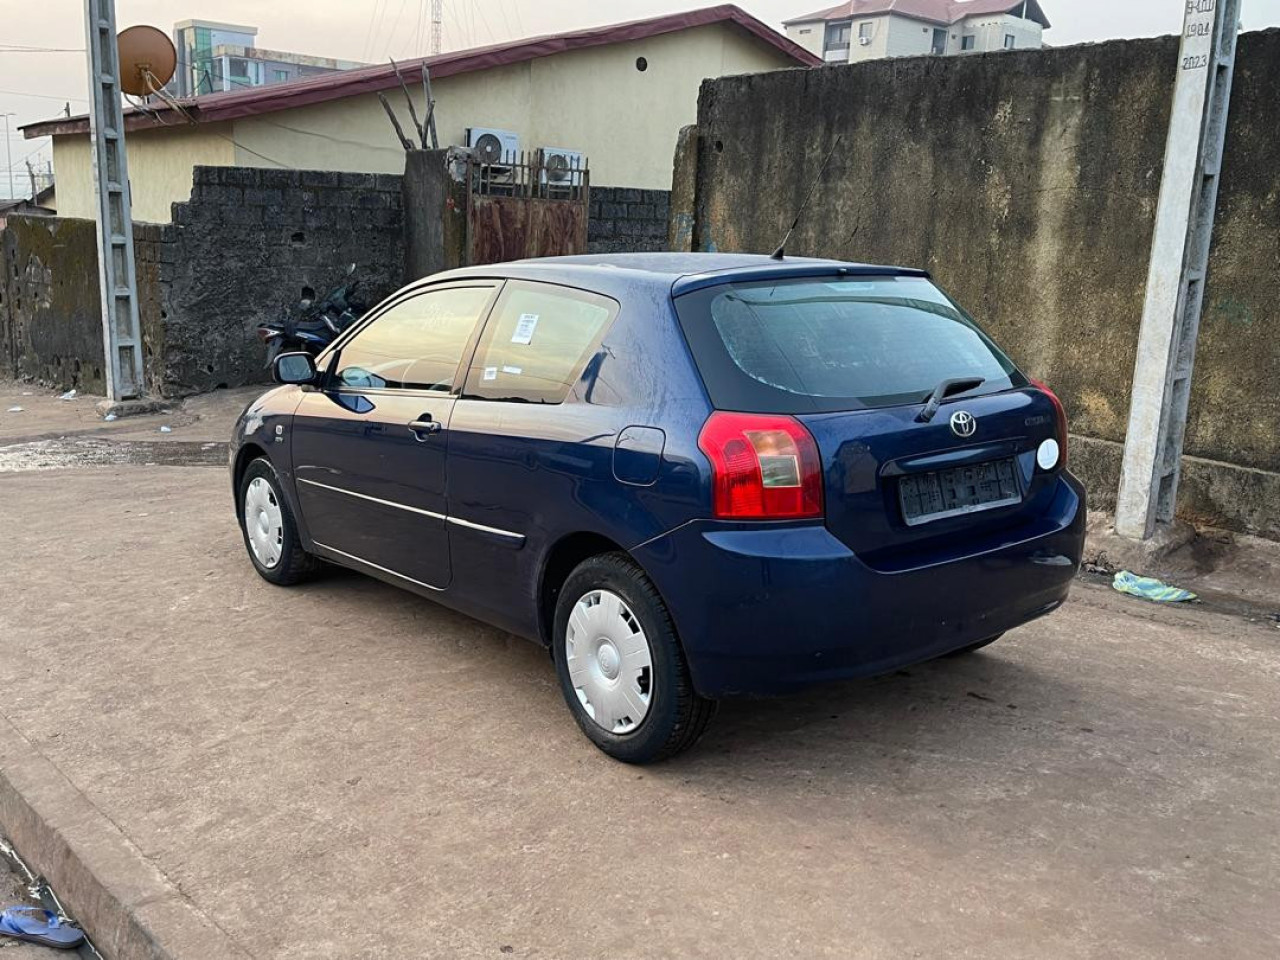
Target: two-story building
871	29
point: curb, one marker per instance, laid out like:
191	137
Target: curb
129	909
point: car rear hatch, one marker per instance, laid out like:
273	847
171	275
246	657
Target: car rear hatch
896	488
927	434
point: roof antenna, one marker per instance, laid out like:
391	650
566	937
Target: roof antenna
782	247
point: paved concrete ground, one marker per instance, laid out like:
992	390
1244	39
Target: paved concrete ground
344	770
44	416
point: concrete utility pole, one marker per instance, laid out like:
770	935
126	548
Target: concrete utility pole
8	156
1179	260
121	331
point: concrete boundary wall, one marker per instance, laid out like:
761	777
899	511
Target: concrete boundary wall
1027	183
242	250
50	318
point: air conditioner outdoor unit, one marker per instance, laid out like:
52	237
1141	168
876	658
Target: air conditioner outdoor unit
493	146
561	169
864	41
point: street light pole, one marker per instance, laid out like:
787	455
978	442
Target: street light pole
8	156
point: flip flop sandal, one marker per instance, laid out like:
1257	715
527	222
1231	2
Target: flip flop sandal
39	926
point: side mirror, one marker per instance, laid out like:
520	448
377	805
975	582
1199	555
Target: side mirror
294	368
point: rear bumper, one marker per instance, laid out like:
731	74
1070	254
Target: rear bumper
763	608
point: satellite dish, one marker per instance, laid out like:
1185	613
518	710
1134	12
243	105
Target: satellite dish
147	58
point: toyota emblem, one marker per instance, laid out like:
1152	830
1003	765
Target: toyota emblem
963	424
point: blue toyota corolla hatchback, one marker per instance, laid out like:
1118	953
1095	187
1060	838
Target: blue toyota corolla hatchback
688	475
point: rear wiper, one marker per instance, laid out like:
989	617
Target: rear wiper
945	389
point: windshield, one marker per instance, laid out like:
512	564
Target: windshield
819	344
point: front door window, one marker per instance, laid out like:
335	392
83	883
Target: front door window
416	345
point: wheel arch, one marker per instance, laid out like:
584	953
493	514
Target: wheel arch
561	560
247	453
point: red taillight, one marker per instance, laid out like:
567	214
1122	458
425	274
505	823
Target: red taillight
763	467
1061	413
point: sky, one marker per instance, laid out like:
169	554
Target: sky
34	85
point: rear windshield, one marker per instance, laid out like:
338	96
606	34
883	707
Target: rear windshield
822	344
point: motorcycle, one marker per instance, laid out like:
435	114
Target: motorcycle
320	323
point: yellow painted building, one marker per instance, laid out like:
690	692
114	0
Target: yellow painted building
617	94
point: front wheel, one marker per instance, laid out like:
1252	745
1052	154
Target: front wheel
270	532
621	667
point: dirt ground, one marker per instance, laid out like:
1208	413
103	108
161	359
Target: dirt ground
345	770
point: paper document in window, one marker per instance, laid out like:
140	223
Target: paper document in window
527	323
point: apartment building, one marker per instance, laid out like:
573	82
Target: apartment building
860	30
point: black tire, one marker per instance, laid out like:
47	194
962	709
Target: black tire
974	646
677	715
294	565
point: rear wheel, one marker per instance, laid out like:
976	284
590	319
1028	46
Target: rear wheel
270	533
975	646
620	664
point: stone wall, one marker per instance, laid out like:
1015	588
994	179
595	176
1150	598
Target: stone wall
243	250
1027	183
628	220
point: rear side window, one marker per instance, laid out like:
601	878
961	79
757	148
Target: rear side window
820	344
416	344
537	342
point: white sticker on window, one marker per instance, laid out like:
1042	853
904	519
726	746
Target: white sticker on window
524	328
514	371
491	373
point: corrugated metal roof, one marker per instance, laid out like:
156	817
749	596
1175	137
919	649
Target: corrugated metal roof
935	11
349	83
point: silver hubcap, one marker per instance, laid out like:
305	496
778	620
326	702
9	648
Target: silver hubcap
609	661
263	522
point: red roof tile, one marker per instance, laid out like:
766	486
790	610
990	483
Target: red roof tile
347	83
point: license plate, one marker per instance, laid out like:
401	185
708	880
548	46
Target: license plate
959	490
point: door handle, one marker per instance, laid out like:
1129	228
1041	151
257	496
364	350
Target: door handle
424	427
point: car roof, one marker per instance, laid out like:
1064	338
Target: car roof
674	273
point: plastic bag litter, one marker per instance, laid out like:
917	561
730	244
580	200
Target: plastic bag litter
1149	588
166	429
69	395
109	417
14	410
